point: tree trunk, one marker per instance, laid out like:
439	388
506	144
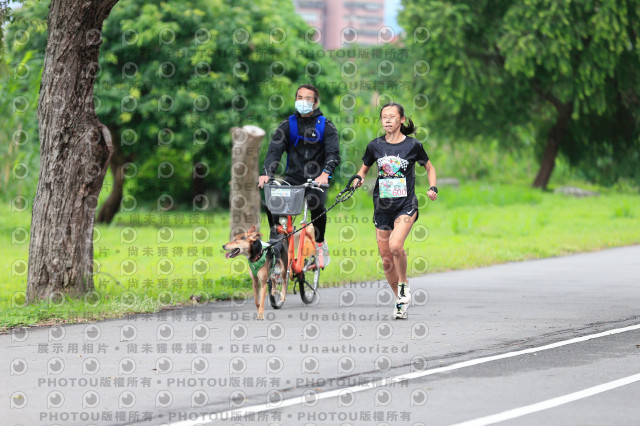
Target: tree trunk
112	203
244	199
554	139
74	152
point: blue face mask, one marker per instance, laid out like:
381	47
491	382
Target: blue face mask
304	107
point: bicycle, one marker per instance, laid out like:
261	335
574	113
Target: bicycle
288	201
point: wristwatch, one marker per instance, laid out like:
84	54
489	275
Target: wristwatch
434	189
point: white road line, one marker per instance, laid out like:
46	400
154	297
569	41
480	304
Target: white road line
245	411
550	403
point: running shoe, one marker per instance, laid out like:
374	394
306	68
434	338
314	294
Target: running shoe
400	310
404	294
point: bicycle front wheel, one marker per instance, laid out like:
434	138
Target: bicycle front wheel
308	280
278	289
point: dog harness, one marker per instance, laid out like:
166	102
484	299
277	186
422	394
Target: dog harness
255	266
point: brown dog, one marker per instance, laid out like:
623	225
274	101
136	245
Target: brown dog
249	244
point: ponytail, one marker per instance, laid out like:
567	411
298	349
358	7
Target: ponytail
405	129
409	128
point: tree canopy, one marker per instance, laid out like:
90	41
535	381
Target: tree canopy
569	69
175	77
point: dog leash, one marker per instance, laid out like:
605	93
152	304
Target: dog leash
342	196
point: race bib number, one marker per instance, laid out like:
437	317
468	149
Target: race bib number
281	192
393	188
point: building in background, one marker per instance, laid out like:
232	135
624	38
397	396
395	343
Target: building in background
344	22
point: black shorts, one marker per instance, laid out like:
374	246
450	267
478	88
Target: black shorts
385	221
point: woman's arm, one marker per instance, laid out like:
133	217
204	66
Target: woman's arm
363	174
431	175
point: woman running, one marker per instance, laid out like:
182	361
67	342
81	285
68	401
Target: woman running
394	199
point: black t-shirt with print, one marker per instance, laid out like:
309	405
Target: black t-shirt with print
395	162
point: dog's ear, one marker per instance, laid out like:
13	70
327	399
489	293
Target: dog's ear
254	236
251	230
256	246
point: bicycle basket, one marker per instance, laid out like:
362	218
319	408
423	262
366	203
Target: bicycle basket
283	199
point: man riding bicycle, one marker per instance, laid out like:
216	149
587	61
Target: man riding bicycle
313	152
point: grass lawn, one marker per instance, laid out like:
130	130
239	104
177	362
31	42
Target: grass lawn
147	260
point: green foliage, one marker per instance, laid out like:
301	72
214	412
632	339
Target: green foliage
194	70
622	211
626	186
71	311
167	171
4	14
500	67
177	76
21	69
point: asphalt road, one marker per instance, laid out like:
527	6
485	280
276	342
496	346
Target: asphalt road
519	342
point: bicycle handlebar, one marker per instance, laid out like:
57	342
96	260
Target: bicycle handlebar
313	184
310	183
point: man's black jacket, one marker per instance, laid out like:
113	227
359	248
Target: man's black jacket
308	159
